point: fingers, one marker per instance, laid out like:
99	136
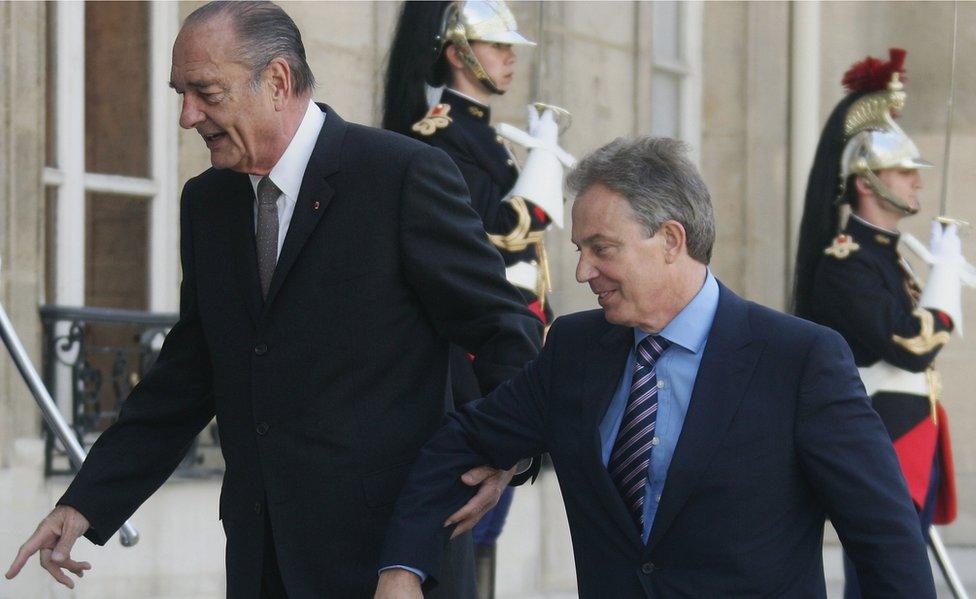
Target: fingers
54	569
472	511
478	475
42	537
54	538
70	531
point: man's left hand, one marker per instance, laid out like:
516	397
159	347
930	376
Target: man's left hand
492	483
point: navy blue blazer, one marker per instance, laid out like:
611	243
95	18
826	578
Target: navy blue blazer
779	435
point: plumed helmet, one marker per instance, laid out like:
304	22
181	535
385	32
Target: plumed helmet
479	21
874	140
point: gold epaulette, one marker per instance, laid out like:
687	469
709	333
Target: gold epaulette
842	247
436	118
927	338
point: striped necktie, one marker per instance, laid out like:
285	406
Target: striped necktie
631	453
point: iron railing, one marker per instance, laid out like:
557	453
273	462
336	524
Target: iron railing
93	357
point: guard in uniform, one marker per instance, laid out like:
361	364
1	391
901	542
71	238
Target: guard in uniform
855	281
447	61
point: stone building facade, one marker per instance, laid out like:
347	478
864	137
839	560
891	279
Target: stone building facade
92	160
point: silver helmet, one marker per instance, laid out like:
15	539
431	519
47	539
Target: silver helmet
876	142
479	21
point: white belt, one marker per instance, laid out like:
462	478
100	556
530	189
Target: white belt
524	275
885	377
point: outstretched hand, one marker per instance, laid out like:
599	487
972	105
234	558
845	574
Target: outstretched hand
54	538
491	482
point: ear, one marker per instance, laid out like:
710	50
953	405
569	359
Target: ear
863	189
278	76
453	57
675	240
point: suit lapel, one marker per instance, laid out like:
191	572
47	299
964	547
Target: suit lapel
240	198
313	197
604	366
730	357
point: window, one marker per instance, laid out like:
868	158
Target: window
110	178
676	71
111	217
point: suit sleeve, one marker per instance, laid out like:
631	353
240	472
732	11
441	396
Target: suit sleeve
508	425
157	422
458	275
857	304
850	464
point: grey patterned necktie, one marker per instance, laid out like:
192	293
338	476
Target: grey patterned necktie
267	232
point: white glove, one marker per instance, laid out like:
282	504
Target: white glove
943	290
544	127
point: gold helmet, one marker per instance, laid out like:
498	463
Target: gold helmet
479	21
876	142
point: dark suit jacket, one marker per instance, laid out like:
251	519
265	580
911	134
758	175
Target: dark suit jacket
778	435
325	393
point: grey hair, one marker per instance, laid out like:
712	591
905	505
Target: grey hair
264	32
656	178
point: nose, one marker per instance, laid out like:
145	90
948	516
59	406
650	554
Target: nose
512	56
584	271
190	115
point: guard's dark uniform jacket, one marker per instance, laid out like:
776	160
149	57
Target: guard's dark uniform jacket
864	290
460	127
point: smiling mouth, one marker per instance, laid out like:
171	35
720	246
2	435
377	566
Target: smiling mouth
602	296
213	139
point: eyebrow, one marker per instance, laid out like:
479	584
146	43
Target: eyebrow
197	85
596	237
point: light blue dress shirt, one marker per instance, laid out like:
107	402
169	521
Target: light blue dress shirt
676	372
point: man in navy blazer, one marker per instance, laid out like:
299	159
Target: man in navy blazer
700	440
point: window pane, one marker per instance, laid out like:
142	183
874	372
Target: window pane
666	31
116	251
117	88
665	102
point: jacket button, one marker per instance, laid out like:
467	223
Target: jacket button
647	568
262	428
261	349
257	507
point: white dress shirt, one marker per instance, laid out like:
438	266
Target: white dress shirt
288	173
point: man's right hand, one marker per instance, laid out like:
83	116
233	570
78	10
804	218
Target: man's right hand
54	538
397	583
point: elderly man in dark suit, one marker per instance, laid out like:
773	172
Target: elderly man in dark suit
326	268
699	439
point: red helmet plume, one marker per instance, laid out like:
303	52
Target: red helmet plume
873	74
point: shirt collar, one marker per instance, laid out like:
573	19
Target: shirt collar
690	327
289	171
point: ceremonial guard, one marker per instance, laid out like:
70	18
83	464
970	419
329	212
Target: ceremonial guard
447	62
855	281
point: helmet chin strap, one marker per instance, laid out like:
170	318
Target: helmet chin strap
471	62
886	194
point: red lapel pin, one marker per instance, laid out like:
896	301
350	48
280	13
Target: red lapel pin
315	205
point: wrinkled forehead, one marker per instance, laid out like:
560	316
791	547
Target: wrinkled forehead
203	54
600	211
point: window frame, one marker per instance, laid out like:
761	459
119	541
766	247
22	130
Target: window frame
687	70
